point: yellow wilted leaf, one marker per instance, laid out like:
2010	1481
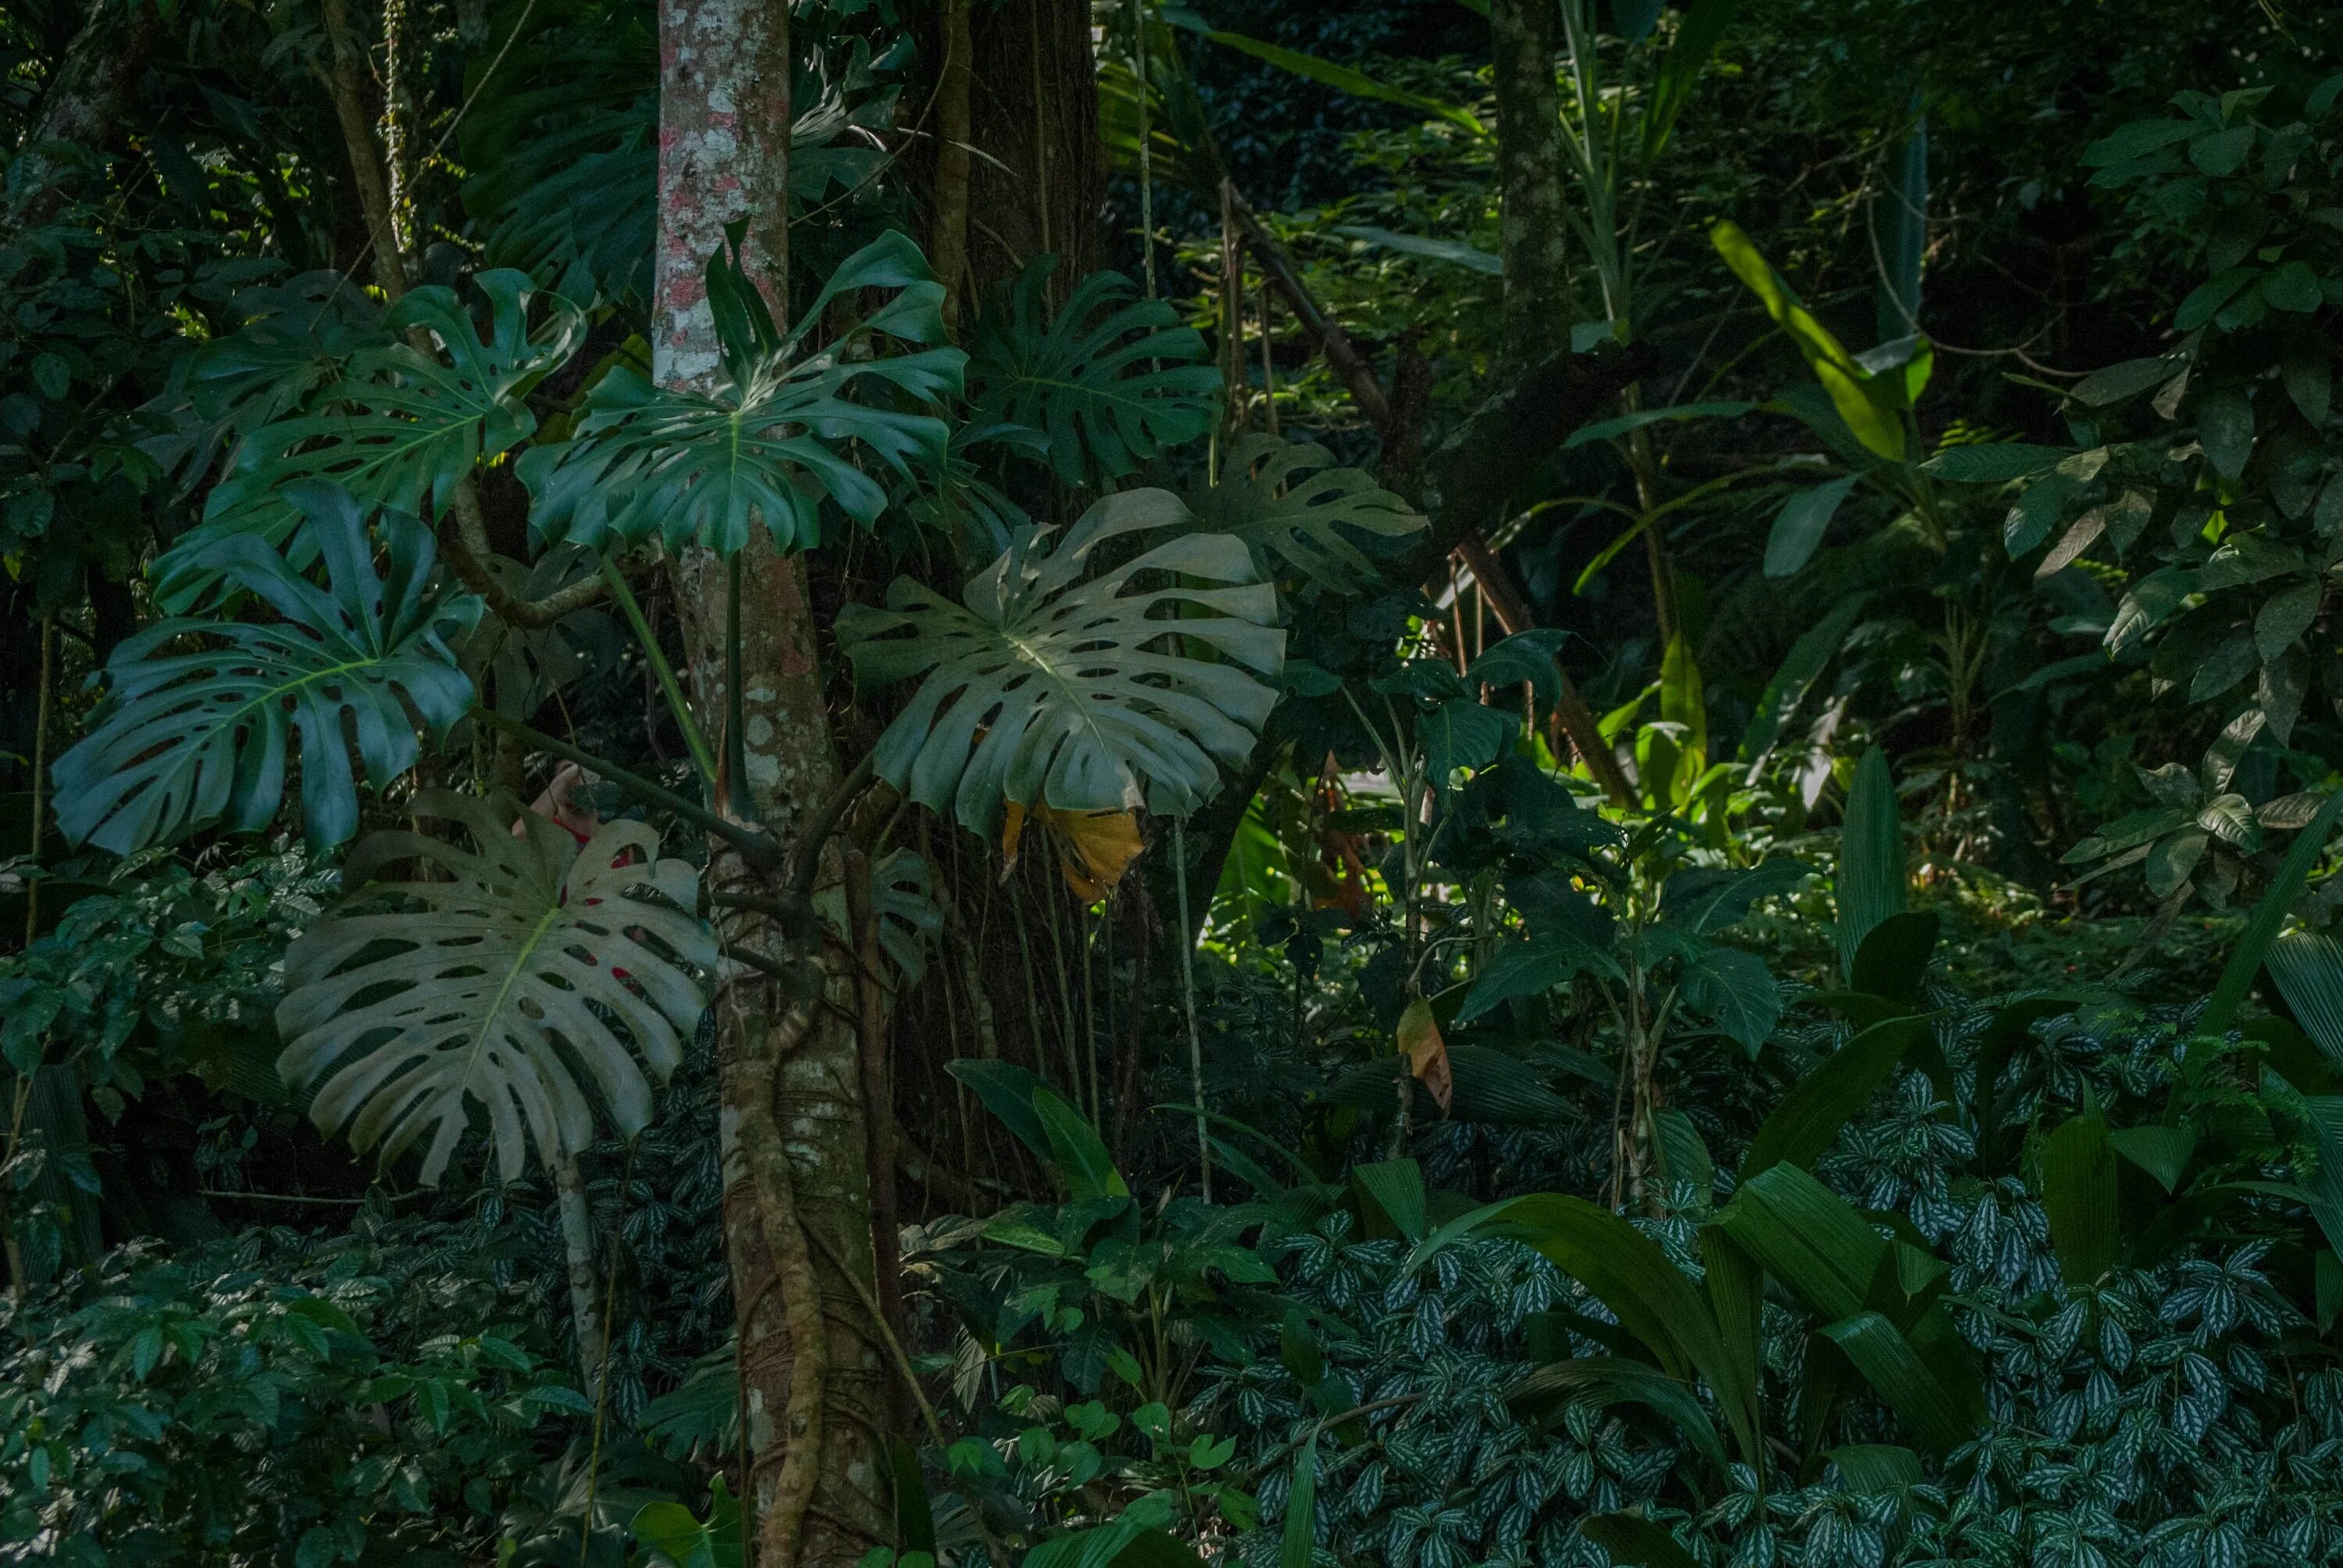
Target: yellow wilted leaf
1426	1052
1094	848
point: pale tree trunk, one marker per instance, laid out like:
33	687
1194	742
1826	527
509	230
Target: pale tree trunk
1533	234
797	1198
577	1258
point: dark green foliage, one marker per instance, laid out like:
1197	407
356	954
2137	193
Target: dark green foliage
166	1410
193	738
1107	379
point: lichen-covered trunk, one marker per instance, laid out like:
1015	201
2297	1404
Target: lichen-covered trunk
796	1199
1532	233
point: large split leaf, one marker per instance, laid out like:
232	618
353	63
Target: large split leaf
517	669
187	738
777	439
1046	686
292	338
399	428
1109	380
562	158
522	967
1296	511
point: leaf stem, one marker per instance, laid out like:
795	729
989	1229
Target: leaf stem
620	590
824	823
736	742
757	849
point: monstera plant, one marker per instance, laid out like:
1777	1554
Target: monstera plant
1108	380
497	974
1295	510
1048	686
199	723
648	462
389	421
526	960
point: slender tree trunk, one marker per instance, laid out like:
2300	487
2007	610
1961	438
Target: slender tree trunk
1529	172
947	249
578	1255
353	108
796	1147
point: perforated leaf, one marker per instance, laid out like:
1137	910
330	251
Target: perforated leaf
204	734
1109	380
1047	685
1299	514
505	978
781	435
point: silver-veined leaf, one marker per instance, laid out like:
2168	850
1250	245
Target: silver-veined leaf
1295	510
520	969
204	734
1048	686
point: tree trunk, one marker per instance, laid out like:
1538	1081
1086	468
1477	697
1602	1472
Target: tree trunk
1015	170
1532	235
577	1256
84	104
947	247
1040	185
797	1215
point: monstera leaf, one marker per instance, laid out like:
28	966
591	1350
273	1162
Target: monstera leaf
704	467
1109	380
902	901
1048	687
189	738
524	966
398	428
1293	507
292	339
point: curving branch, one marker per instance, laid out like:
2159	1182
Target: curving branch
533	614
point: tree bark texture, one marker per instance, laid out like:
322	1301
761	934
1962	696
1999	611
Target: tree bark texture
354	111
1040	184
947	246
577	1256
1532	234
1013	169
84	104
793	1121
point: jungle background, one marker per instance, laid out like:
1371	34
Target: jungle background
915	783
